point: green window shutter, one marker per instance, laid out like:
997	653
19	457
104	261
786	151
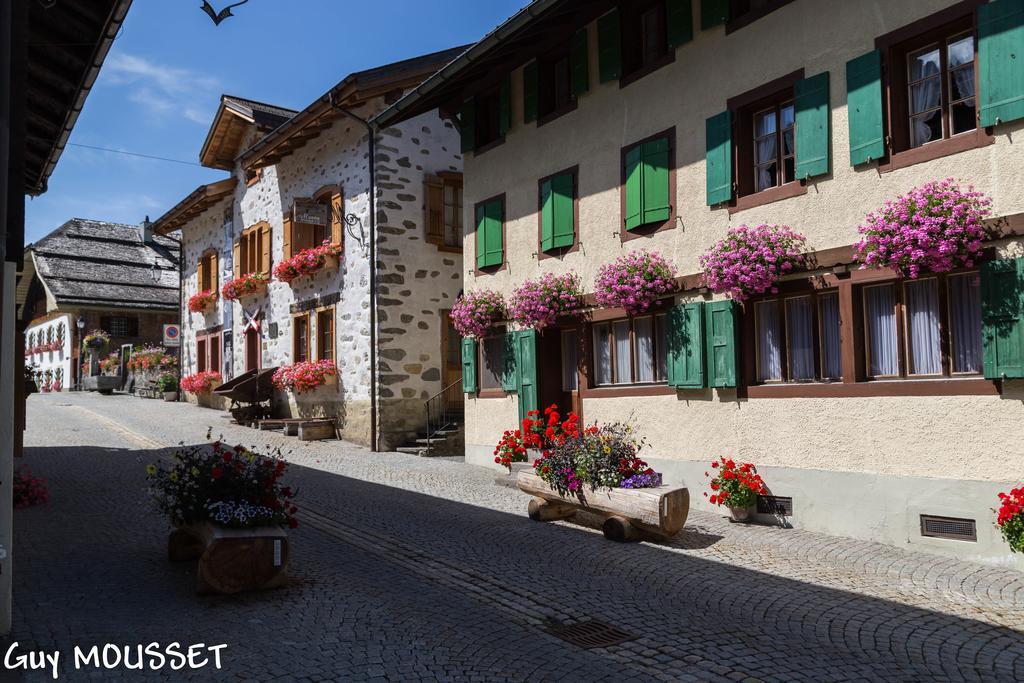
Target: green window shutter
864	107
812	129
509	376
494	253
469	365
578	63
713	13
481	236
505	105
1002	318
563	216
467	125
718	134
655	189
530	92
680	21
686	346
526	369
634	188
609	47
547	217
1001	62
722	347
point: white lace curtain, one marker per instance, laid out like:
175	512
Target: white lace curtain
644	350
769	352
965	305
602	354
923	326
880	305
831	357
623	360
800	330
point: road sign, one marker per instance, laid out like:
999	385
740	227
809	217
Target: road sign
172	335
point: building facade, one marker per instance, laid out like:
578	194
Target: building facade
666	124
306	183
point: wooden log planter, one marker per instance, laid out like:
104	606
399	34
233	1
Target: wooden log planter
630	514
232	560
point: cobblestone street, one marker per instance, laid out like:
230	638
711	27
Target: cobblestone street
408	568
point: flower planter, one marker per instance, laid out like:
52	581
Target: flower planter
170	396
232	560
739	514
630	514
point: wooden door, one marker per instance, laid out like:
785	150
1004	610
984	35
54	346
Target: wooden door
451	355
252	350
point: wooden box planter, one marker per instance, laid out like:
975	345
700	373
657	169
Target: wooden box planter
630	514
232	560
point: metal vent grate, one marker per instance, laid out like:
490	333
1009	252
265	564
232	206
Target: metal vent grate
775	505
591	634
955	528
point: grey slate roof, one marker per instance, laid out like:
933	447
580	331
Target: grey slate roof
95	263
263	114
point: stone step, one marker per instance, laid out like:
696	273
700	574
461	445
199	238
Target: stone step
412	450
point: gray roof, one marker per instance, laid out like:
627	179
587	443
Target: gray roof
263	114
95	263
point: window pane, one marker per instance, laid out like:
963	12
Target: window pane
962	116
661	337
924	63
880	311
570	380
623	357
831	357
643	329
769	354
923	326
925	128
602	355
764	123
960	51
493	362
800	333
965	311
788	115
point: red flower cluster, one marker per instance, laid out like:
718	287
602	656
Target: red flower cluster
304	376
735	485
536	433
200	382
197	303
250	283
306	262
1010	518
28	489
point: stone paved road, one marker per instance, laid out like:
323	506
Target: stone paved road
421	569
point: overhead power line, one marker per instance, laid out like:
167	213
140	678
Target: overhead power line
134	154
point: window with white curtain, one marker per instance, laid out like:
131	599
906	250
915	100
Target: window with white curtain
830	334
924	351
965	322
798	338
570	354
880	326
630	351
769	353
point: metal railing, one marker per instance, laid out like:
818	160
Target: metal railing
444	409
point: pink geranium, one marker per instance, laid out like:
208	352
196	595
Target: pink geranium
197	303
538	303
750	260
304	376
306	262
475	313
238	287
933	228
200	382
635	281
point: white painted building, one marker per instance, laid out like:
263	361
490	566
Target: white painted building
48	348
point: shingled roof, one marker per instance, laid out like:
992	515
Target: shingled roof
235	118
95	263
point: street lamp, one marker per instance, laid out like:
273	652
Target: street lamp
80	324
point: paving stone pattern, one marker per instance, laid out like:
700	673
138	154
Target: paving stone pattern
408	568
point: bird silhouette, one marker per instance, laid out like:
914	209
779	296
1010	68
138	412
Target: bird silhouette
221	15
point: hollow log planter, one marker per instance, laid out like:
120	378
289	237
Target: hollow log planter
232	560
630	514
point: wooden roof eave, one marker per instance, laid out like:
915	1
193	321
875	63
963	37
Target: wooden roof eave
195	204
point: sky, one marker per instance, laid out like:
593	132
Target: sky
161	83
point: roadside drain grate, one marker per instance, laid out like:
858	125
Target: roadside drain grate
591	634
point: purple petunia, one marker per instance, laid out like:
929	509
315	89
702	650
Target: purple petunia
750	260
538	303
635	281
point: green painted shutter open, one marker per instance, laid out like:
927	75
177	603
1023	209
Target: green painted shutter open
509	375
864	107
526	367
530	92
657	207
467	125
469	365
481	236
713	13
494	252
686	346
634	188
718	138
679	20
609	47
578	63
505	105
812	128
563	216
722	348
1001	62
1002	318
547	217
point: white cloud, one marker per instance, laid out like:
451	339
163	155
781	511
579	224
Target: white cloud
163	90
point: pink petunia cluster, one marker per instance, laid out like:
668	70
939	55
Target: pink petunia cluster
250	283
475	313
198	303
306	262
750	260
200	382
933	228
304	376
538	303
635	281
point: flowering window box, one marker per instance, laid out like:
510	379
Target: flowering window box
308	262
244	285
306	376
200	382
202	302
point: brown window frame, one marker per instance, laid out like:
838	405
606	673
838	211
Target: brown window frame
211	349
132	324
785	358
442	180
549	107
634	367
740	13
209	267
895	47
634	64
328	315
481	354
305	318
